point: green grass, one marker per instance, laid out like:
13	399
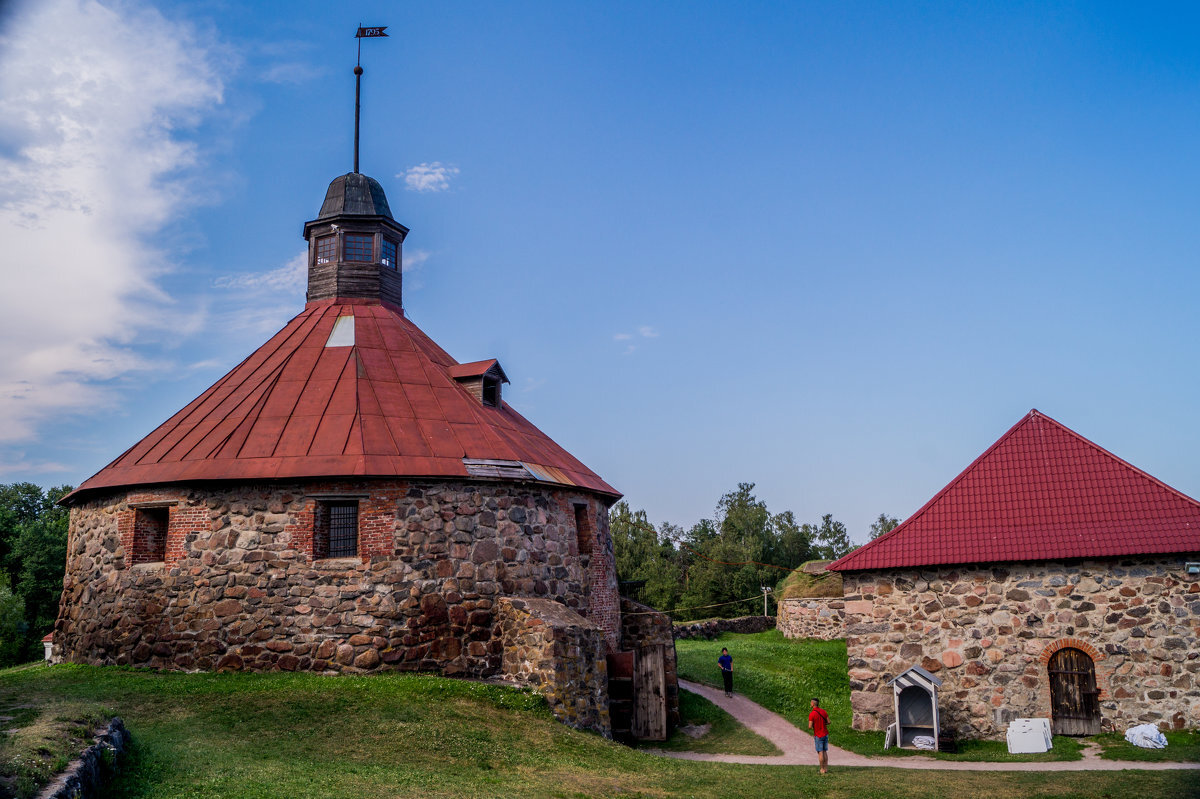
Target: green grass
262	736
1182	746
782	674
801	584
39	739
726	735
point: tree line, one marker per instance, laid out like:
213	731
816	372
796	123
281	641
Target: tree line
33	558
718	566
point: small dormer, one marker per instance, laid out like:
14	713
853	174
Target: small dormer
482	378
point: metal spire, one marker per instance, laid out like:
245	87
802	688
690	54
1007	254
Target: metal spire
363	33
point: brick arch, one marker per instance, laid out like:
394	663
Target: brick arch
1071	643
1074	643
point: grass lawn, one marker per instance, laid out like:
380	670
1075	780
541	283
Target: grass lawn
261	736
725	735
38	739
782	674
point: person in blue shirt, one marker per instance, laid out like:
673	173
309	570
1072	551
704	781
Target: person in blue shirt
726	664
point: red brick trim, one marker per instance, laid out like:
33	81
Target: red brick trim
1071	643
1095	654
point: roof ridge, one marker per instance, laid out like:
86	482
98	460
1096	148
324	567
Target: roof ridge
1122	461
1039	493
945	489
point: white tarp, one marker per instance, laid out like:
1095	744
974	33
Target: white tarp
1146	736
1029	735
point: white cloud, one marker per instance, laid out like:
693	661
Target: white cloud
412	260
92	163
290	277
24	464
291	72
429	177
645	331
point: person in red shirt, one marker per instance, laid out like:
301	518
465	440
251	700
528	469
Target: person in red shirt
818	722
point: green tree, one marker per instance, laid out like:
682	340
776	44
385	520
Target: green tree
643	554
884	524
832	539
33	540
791	542
13	627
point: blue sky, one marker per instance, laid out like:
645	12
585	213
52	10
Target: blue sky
832	249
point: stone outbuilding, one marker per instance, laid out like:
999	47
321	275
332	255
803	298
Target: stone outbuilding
1050	579
350	498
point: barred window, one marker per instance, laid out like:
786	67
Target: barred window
390	259
326	248
359	247
336	533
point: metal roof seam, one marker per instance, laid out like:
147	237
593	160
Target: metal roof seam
328	400
271	377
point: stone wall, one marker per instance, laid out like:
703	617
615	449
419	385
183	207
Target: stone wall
816	617
552	648
989	632
643	626
239	587
713	627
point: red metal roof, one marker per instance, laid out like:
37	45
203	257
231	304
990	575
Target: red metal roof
1042	492
386	405
477	368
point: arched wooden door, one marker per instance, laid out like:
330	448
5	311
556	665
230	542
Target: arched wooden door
1074	700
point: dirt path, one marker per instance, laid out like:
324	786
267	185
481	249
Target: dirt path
797	746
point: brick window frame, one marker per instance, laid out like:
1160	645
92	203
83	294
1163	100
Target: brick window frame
150	525
337	528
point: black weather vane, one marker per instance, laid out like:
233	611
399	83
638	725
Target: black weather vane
362	33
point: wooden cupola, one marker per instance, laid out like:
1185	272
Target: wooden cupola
354	244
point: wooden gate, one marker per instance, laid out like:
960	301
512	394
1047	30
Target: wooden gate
649	694
1074	700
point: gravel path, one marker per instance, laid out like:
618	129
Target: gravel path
797	746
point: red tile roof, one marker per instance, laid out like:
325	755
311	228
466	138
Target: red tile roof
1042	492
385	406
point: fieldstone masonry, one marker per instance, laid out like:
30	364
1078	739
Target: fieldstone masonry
239	588
817	617
988	633
711	628
555	650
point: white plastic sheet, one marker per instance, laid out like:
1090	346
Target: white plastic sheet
1028	736
1146	736
924	742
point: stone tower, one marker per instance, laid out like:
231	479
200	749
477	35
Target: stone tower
349	498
